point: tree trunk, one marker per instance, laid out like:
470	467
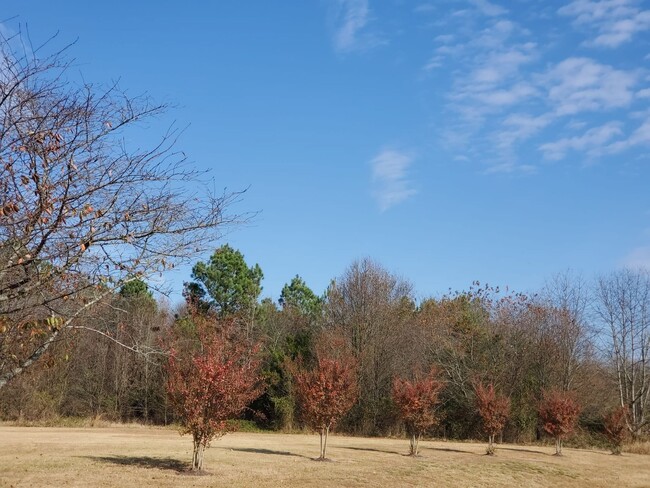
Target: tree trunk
323	450
413	444
197	455
490	449
558	446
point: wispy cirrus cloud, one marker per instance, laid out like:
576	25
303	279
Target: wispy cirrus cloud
509	92
519	127
582	84
488	8
494	80
424	8
615	21
511	84
391	184
639	137
637	258
593	142
350	26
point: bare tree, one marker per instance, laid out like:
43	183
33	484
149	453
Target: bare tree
566	297
374	310
623	307
81	212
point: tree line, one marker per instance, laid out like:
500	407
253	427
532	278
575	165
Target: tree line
590	339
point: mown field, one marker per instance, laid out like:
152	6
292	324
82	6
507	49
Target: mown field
133	456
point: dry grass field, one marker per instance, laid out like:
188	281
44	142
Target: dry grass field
131	456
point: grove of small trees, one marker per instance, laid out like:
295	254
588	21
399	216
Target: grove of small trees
519	346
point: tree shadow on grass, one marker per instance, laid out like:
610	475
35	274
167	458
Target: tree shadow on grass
448	449
370	449
519	449
265	451
169	464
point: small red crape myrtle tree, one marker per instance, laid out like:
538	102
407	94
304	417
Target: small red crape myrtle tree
211	382
325	393
616	431
416	403
559	412
494	411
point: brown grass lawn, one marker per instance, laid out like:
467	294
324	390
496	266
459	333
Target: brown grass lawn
138	457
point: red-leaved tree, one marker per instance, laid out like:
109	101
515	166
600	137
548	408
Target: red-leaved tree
494	411
416	402
212	383
559	412
616	431
326	393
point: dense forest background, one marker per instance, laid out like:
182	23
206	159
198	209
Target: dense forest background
590	338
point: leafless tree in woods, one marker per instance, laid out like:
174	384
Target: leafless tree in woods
80	212
566	297
374	310
623	308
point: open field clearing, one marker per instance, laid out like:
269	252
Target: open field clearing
141	456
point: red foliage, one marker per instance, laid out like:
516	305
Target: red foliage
559	412
326	393
417	402
211	385
616	430
493	409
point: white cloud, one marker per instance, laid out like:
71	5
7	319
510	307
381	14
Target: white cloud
638	258
487	8
640	137
645	93
581	84
519	127
492	77
502	64
494	81
444	38
424	8
352	17
615	21
389	177
489	79
495	36
433	63
507	93
592	142
511	166
506	96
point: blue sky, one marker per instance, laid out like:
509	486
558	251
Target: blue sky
451	141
